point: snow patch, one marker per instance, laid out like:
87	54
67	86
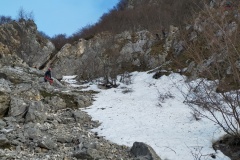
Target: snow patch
166	125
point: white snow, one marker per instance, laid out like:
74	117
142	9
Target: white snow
152	111
69	79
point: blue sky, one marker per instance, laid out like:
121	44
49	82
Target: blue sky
59	16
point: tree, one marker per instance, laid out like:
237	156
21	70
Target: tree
5	19
43	34
22	14
109	63
59	41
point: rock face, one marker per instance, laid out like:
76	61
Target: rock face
131	51
21	44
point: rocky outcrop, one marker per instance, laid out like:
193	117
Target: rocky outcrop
125	51
22	45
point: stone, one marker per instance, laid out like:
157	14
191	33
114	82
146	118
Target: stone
18	149
4	86
36	112
38	150
4	142
144	151
32	132
89	154
2	124
79	116
27	92
64	139
18	107
4	103
47	143
56	102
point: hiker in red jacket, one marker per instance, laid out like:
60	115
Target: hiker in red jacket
48	76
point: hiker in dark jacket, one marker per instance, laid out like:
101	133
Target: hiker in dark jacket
48	76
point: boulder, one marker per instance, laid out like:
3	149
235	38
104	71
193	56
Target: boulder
229	146
18	107
83	100
56	102
64	138
47	143
36	112
143	151
32	132
27	92
4	142
80	116
86	151
4	85
2	124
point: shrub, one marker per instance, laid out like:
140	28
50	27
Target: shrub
23	14
5	19
214	52
59	41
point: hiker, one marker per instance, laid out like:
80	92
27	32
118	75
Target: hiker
48	76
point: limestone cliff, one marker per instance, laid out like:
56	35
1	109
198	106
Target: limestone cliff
127	51
21	44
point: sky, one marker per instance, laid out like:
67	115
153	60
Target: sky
59	16
135	112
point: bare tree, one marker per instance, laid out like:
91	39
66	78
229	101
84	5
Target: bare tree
23	14
90	68
59	40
